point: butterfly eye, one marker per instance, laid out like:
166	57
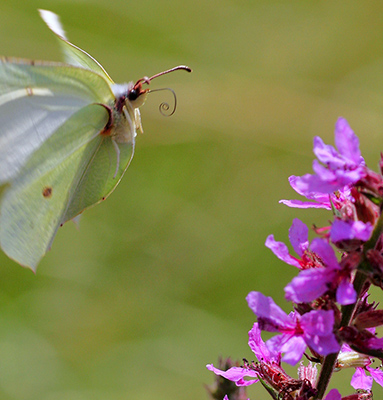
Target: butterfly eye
133	94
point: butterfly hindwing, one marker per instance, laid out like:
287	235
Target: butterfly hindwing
100	178
36	202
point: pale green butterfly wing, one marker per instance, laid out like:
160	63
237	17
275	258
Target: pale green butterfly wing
73	54
100	178
35	99
56	183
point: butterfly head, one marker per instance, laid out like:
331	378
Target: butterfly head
137	94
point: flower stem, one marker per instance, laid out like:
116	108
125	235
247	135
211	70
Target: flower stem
325	374
330	361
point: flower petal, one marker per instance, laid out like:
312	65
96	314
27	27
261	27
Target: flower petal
259	348
318	331
325	252
326	153
272	316
304	204
293	350
235	374
348	230
347	142
376	374
308	285
298	235
346	293
292	346
333	394
281	251
360	380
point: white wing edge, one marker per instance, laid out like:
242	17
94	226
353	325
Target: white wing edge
53	22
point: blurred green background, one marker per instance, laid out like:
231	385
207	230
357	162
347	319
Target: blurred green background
152	286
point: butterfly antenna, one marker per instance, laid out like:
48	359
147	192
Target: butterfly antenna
179	67
147	80
164	106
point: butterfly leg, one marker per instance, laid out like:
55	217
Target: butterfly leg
115	145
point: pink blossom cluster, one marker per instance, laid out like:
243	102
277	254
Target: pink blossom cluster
333	321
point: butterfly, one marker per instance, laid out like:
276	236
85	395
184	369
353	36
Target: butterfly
67	135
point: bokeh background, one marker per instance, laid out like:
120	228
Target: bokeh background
152	286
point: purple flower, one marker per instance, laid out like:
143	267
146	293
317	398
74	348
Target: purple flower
313	329
313	283
338	170
320	265
263	354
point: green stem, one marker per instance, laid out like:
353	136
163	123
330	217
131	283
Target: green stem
325	374
348	311
330	360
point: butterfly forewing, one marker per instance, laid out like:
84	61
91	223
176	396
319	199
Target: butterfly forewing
35	100
73	54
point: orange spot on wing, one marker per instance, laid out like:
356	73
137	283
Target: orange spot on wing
47	192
